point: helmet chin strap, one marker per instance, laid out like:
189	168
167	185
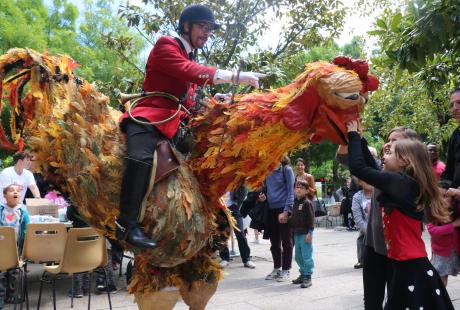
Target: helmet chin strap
190	26
191	42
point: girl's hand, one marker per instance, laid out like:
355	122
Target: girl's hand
308	238
453	192
352	126
456	223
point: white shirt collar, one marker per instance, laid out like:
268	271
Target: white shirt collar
187	46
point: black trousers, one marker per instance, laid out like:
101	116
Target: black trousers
377	273
243	247
280	240
141	140
7	286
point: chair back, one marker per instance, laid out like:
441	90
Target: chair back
335	210
84	251
45	242
9	249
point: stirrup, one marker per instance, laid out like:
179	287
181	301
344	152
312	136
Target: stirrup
121	233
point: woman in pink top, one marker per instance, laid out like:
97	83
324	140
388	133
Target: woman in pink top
445	241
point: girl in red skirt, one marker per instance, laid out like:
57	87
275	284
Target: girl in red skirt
407	192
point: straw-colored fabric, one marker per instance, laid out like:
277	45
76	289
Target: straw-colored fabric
161	300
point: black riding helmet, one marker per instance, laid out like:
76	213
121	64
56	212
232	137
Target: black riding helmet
197	13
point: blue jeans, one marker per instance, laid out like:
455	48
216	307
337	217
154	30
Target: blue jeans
303	255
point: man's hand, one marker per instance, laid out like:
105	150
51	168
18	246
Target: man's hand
223	98
283	217
262	197
308	238
226	76
250	78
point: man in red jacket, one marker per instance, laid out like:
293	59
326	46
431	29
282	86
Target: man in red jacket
171	71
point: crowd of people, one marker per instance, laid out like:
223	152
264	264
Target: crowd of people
17	183
391	199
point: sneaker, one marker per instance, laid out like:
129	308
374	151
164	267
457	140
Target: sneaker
358	265
306	283
76	294
100	284
273	275
10	300
299	280
284	276
223	263
249	264
100	289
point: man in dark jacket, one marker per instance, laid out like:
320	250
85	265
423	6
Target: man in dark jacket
234	200
452	171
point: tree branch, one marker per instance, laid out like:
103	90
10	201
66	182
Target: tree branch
240	29
144	36
126	58
291	37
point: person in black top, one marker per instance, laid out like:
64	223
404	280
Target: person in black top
302	224
377	269
452	171
234	200
406	191
348	190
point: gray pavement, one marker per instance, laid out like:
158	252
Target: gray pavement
336	285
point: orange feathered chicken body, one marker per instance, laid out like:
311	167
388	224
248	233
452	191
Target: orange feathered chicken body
244	142
79	147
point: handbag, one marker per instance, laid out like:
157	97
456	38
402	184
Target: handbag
319	207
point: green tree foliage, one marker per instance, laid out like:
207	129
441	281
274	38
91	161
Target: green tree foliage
29	23
417	63
306	23
22	24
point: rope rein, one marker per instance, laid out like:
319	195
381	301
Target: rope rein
134	103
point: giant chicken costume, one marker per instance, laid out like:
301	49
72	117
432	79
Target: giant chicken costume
78	146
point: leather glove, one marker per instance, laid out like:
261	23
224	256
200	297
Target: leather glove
226	76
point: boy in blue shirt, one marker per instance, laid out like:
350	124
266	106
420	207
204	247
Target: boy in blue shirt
12	214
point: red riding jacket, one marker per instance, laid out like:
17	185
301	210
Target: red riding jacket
170	70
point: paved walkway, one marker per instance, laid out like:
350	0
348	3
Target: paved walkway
336	285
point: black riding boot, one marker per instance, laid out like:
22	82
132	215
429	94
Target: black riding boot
133	188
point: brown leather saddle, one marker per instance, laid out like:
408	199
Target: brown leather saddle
167	161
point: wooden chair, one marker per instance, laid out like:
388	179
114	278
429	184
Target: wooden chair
85	251
9	259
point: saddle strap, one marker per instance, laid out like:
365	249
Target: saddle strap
164	163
